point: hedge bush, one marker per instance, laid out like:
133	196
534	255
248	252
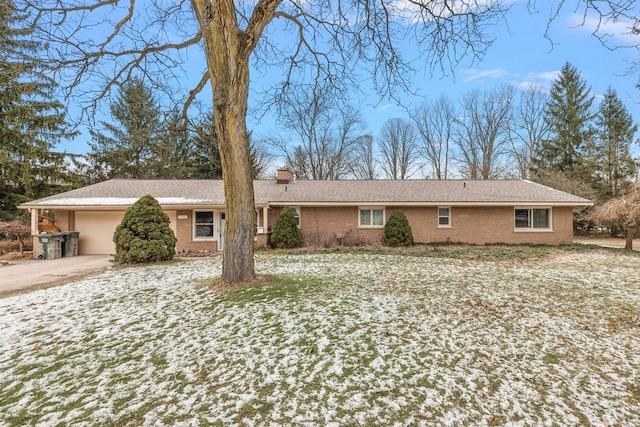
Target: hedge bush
144	235
397	231
286	233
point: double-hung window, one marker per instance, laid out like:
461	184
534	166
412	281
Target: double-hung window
295	210
371	217
533	218
444	216
203	225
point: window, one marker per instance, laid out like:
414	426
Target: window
295	210
203	225
444	217
531	218
371	217
259	229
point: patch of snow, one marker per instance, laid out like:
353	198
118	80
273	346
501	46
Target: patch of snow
364	339
118	201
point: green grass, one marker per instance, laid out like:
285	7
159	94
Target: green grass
492	252
456	334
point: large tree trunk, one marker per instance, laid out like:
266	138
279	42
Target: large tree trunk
228	51
631	231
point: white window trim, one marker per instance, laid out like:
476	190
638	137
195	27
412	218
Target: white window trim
532	229
299	210
449	216
372	208
216	226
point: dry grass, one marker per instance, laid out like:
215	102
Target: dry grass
334	338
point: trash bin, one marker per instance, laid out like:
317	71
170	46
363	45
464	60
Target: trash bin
52	245
71	243
59	245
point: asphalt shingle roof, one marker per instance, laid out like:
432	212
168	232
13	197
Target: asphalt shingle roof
124	192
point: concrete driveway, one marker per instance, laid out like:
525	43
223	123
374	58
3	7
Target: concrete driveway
27	274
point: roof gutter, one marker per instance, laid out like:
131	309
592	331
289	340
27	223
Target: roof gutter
431	204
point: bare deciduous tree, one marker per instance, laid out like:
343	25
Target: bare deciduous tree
528	128
435	122
364	159
327	41
327	134
398	145
481	135
623	211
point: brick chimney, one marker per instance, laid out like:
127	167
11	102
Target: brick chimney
285	176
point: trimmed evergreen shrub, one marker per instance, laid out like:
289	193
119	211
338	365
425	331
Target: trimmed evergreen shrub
144	234
286	233
397	231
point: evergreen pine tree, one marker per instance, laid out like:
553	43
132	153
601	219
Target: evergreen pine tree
568	115
127	149
31	121
144	234
286	233
206	156
397	231
173	151
204	160
610	154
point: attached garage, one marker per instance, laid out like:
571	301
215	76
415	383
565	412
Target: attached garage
96	231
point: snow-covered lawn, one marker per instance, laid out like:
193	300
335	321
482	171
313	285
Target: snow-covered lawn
344	339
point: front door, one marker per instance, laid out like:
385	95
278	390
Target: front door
221	228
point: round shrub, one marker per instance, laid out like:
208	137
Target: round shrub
144	234
397	231
286	233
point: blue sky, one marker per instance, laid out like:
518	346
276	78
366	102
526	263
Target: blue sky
520	55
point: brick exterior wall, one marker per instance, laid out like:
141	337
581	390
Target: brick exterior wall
326	226
63	219
323	226
480	225
37	247
184	234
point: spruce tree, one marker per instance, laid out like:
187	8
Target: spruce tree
610	154
173	151
144	234
127	147
204	159
31	120
206	156
568	115
286	233
397	231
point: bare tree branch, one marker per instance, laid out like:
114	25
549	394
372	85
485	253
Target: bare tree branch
605	19
623	211
398	145
482	135
435	122
192	95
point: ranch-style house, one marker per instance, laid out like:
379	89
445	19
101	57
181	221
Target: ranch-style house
327	212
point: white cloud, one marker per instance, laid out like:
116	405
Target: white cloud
385	107
528	84
540	81
548	76
608	30
496	73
